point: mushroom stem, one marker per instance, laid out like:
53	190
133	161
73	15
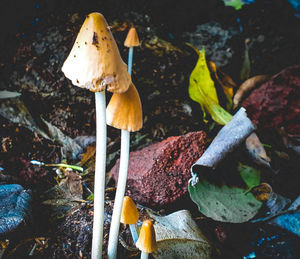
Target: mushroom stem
144	255
115	221
99	185
130	58
134	233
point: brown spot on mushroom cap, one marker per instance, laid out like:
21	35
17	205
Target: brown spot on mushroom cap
94	67
95	38
124	110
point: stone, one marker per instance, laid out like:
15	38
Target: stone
276	103
158	174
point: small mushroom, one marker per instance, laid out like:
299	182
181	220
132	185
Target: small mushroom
147	240
132	40
130	216
95	63
123	112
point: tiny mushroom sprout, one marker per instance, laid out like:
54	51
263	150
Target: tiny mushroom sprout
130	216
147	240
124	112
132	40
95	63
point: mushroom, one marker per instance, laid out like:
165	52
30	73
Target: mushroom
132	40
147	241
124	112
130	216
95	63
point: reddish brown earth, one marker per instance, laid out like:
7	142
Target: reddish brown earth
158	174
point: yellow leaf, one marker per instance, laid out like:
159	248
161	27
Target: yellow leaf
203	91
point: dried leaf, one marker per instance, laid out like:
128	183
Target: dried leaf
178	236
70	149
89	154
256	150
228	138
262	192
246	65
247	86
225	82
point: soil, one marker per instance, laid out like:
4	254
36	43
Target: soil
35	41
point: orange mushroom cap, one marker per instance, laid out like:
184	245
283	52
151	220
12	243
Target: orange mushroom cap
132	39
130	214
124	110
147	241
94	61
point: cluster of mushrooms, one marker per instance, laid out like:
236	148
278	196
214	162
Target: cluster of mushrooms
95	63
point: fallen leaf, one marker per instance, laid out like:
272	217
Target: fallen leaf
202	90
228	139
246	65
70	149
247	86
262	192
178	236
89	154
225	81
236	4
235	204
256	150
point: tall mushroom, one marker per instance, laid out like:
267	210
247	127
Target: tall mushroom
95	63
147	240
123	112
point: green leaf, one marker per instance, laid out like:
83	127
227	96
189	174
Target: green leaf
250	176
237	4
227	203
203	91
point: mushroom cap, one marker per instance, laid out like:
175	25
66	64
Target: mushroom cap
130	214
132	39
94	61
147	241
124	110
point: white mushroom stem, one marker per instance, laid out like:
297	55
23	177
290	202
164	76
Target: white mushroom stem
130	58
144	255
134	233
99	186
115	221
